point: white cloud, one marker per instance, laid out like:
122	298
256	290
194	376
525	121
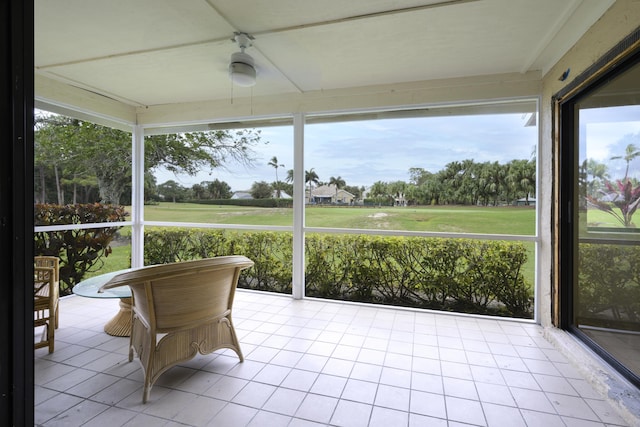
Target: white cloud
606	133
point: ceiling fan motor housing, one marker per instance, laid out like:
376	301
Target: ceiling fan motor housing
241	68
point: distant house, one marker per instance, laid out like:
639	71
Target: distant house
525	202
283	195
247	195
241	195
327	194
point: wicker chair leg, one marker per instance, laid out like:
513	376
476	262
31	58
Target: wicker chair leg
146	392
50	335
57	316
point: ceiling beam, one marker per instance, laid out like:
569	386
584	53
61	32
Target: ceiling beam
455	91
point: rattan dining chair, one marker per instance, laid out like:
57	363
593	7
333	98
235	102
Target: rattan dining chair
51	262
46	296
181	309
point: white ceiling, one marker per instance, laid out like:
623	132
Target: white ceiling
144	53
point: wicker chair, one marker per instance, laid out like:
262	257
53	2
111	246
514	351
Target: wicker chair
51	262
181	309
46	296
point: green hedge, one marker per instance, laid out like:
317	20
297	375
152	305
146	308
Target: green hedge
609	285
259	203
464	275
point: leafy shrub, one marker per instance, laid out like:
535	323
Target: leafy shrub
445	274
172	245
380	269
203	244
271	252
497	273
609	284
80	251
330	261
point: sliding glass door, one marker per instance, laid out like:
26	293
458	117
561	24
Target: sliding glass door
600	214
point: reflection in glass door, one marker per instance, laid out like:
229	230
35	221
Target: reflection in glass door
606	271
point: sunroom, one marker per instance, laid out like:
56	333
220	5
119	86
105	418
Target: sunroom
562	74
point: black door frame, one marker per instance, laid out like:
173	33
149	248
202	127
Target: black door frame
16	213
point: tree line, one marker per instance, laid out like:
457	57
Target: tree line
461	182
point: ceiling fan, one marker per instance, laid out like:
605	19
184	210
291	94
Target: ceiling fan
242	69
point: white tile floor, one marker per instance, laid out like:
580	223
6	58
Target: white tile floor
312	363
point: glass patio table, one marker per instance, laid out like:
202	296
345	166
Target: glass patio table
120	324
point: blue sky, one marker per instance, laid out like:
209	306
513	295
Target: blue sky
363	152
607	132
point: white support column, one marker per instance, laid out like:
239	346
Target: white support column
298	206
540	207
137	197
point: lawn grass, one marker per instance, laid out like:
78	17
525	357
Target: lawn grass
492	220
598	218
437	219
118	259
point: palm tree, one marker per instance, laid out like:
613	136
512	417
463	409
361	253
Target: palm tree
274	163
311	177
338	182
522	177
397	190
599	174
379	191
453	178
630	153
